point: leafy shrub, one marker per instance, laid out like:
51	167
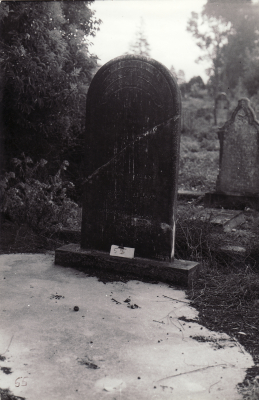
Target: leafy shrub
46	67
29	196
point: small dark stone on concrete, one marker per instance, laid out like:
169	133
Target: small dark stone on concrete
76	308
139	377
127	300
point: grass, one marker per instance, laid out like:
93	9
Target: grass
198	166
199	151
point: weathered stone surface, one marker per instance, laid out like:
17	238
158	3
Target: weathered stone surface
132	152
239	153
176	272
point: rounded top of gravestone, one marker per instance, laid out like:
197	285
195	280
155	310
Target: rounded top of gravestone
134	75
243	107
222	96
244	102
140	58
127	97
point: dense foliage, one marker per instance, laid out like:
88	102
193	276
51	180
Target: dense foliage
228	34
46	67
29	195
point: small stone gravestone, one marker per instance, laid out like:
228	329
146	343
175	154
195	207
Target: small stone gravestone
221	109
238	180
132	139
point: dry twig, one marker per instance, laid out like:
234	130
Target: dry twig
190	372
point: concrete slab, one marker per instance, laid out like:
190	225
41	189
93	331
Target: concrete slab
226	219
126	342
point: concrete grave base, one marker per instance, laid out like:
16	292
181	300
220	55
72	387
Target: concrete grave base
179	272
231	201
127	341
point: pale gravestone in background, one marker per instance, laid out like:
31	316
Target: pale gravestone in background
133	119
221	109
239	153
132	140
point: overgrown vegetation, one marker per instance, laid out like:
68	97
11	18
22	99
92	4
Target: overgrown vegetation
46	67
226	293
30	196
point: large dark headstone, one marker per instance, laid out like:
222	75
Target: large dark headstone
133	130
132	140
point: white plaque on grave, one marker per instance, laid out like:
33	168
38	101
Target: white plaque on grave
120	251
